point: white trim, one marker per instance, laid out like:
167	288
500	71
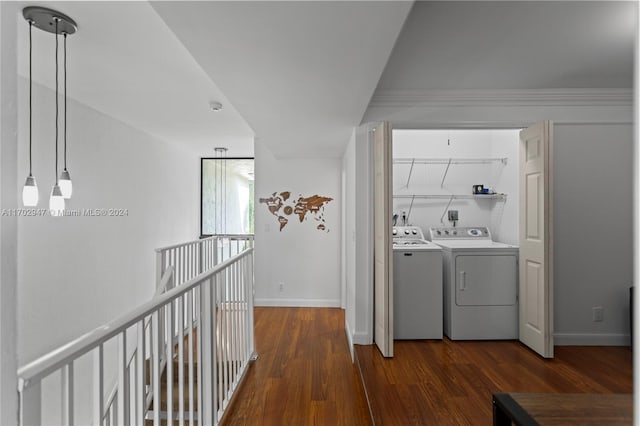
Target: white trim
591	339
347	330
362	339
502	97
302	303
516	123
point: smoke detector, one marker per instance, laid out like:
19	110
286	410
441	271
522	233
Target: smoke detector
215	106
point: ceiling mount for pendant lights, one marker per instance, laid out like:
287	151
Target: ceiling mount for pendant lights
45	19
51	21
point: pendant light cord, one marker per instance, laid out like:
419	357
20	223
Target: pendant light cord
56	19
30	96
65	101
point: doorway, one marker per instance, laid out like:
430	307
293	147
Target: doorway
435	171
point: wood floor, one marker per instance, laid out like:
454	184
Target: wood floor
304	375
450	383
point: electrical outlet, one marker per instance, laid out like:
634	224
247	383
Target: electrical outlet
598	313
281	287
453	215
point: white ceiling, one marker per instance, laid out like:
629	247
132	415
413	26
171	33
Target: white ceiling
514	45
300	75
124	62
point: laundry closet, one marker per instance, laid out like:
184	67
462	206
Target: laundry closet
459	189
434	172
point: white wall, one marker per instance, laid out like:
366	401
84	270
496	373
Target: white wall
301	257
505	216
8	224
76	273
499	215
593	214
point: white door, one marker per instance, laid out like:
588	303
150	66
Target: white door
536	238
382	248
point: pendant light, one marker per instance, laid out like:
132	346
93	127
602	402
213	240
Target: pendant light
53	22
56	201
220	192
30	190
65	178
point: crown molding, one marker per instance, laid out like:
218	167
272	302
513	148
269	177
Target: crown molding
501	97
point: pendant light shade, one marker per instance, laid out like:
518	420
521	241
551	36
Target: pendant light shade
65	184
30	192
56	202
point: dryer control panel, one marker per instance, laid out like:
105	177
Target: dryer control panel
462	233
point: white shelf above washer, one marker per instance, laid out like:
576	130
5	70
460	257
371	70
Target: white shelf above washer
452	160
453	196
448	161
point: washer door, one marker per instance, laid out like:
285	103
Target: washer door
486	280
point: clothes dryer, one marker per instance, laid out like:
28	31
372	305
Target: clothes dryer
480	284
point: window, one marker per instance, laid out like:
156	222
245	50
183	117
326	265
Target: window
226	198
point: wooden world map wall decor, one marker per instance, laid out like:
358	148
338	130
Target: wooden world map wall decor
304	207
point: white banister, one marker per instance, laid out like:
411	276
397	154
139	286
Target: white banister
194	257
66	385
140	397
98	382
204	324
123	404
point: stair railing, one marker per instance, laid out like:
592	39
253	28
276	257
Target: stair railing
194	257
203	329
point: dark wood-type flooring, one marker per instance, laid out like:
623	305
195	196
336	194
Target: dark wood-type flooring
450	383
304	375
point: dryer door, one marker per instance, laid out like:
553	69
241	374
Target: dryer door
486	280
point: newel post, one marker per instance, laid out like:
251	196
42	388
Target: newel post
30	403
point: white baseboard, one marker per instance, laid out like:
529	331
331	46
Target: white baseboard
362	339
591	339
302	303
347	330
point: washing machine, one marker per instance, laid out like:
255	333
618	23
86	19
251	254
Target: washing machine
417	285
480	279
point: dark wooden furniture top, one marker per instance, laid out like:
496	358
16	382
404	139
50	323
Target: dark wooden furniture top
562	409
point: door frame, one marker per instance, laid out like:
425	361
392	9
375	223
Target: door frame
485	125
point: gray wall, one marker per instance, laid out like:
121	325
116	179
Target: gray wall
593	214
8	224
593	201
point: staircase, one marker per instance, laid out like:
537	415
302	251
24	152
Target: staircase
201	323
175	395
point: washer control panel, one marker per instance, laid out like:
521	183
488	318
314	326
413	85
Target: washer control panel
462	233
411	232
